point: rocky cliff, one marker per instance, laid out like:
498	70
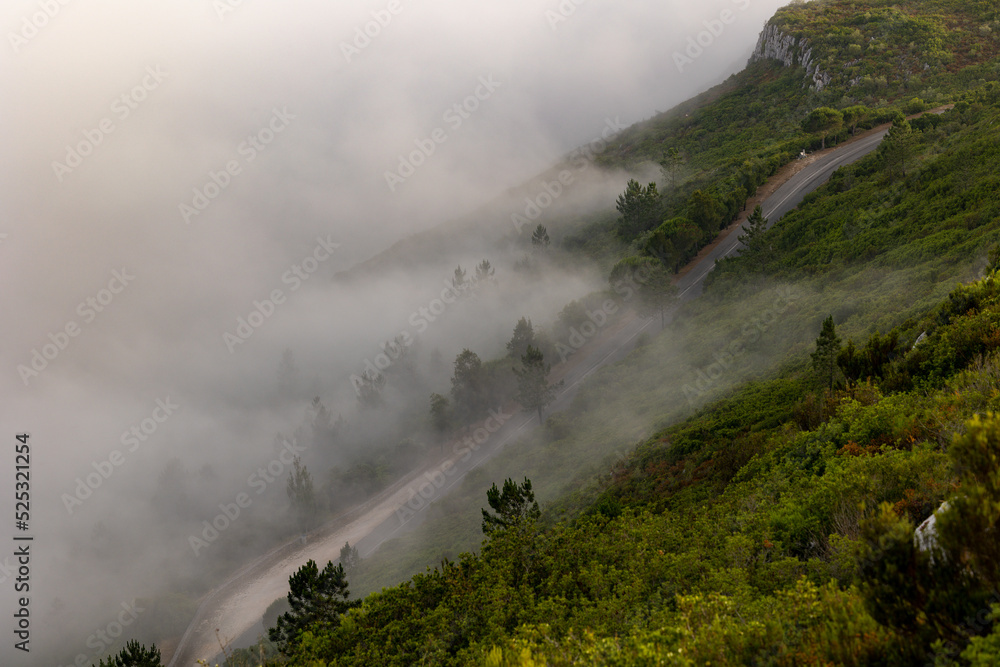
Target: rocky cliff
773	44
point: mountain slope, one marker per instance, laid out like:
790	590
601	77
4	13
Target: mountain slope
750	532
775	526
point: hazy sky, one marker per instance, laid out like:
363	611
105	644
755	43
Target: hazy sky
166	164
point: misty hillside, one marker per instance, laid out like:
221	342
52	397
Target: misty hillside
769	454
506	334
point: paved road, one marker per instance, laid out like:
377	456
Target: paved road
236	606
785	198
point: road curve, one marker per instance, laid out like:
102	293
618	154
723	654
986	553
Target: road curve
235	607
784	199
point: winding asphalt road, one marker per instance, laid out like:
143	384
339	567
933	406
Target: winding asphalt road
235	607
784	199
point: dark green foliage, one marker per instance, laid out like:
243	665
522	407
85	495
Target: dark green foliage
756	225
973	515
871	360
896	149
994	258
640	209
674	242
317	599
824	358
854	115
823	120
733	524
705	211
134	655
754	246
671	166
512	507
938	587
939	215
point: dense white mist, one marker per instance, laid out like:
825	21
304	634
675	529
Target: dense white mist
163	97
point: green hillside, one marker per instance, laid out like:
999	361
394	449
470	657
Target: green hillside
877	58
752	486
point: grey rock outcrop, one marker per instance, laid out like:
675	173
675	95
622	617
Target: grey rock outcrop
773	44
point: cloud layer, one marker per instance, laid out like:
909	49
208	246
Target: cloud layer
169	167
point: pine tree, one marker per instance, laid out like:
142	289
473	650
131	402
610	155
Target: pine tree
533	390
540	237
369	389
755	247
755	227
468	385
897	147
641	209
512	507
134	655
317	600
458	282
824	359
651	279
524	335
349	557
705	211
484	271
657	290
824	120
301	493
323	428
440	415
854	115
670	166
